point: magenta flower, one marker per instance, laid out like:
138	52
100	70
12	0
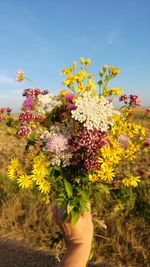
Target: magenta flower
26	116
147	141
71	107
34	92
23	131
28	103
134	100
68	97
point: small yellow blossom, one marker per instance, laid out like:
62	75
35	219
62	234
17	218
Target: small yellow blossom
82	60
105	67
67	71
74	64
87	62
69	80
81	75
24	181
91	85
106	172
14	169
63	92
131	181
101	73
44	186
93	177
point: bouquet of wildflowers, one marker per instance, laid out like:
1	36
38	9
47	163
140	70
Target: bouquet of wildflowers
76	142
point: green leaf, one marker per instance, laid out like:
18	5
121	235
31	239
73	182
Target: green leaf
75	216
68	188
69	207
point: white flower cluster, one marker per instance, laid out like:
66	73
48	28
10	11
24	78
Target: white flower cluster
46	103
93	112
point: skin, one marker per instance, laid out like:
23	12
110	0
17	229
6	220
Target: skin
77	237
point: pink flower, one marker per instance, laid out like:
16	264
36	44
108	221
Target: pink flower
5	110
68	97
28	103
134	100
39	117
71	107
123	140
1	118
26	116
23	131
147	141
34	92
19	76
57	143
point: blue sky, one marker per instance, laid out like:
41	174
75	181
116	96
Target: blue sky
44	36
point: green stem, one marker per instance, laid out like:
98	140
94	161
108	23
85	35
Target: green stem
33	84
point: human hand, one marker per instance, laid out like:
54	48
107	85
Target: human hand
78	237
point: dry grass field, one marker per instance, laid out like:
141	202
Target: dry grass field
121	219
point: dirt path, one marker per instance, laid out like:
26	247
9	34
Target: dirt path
13	254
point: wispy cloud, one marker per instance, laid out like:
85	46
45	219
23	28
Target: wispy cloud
5	79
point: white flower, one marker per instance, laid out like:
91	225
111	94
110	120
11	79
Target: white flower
93	112
48	102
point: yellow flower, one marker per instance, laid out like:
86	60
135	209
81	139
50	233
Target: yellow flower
106	172
87	62
67	71
93	177
14	169
44	186
130	151
101	73
131	181
80	88
24	181
116	91
14	163
80	75
63	92
82	60
111	154
105	67
74	63
113	70
69	80
91	85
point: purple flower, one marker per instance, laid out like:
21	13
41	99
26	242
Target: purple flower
28	103
68	97
71	107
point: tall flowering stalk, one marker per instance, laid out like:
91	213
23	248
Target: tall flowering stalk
76	141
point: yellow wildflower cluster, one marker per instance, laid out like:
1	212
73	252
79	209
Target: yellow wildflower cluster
37	176
81	81
39	173
111	156
131	181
